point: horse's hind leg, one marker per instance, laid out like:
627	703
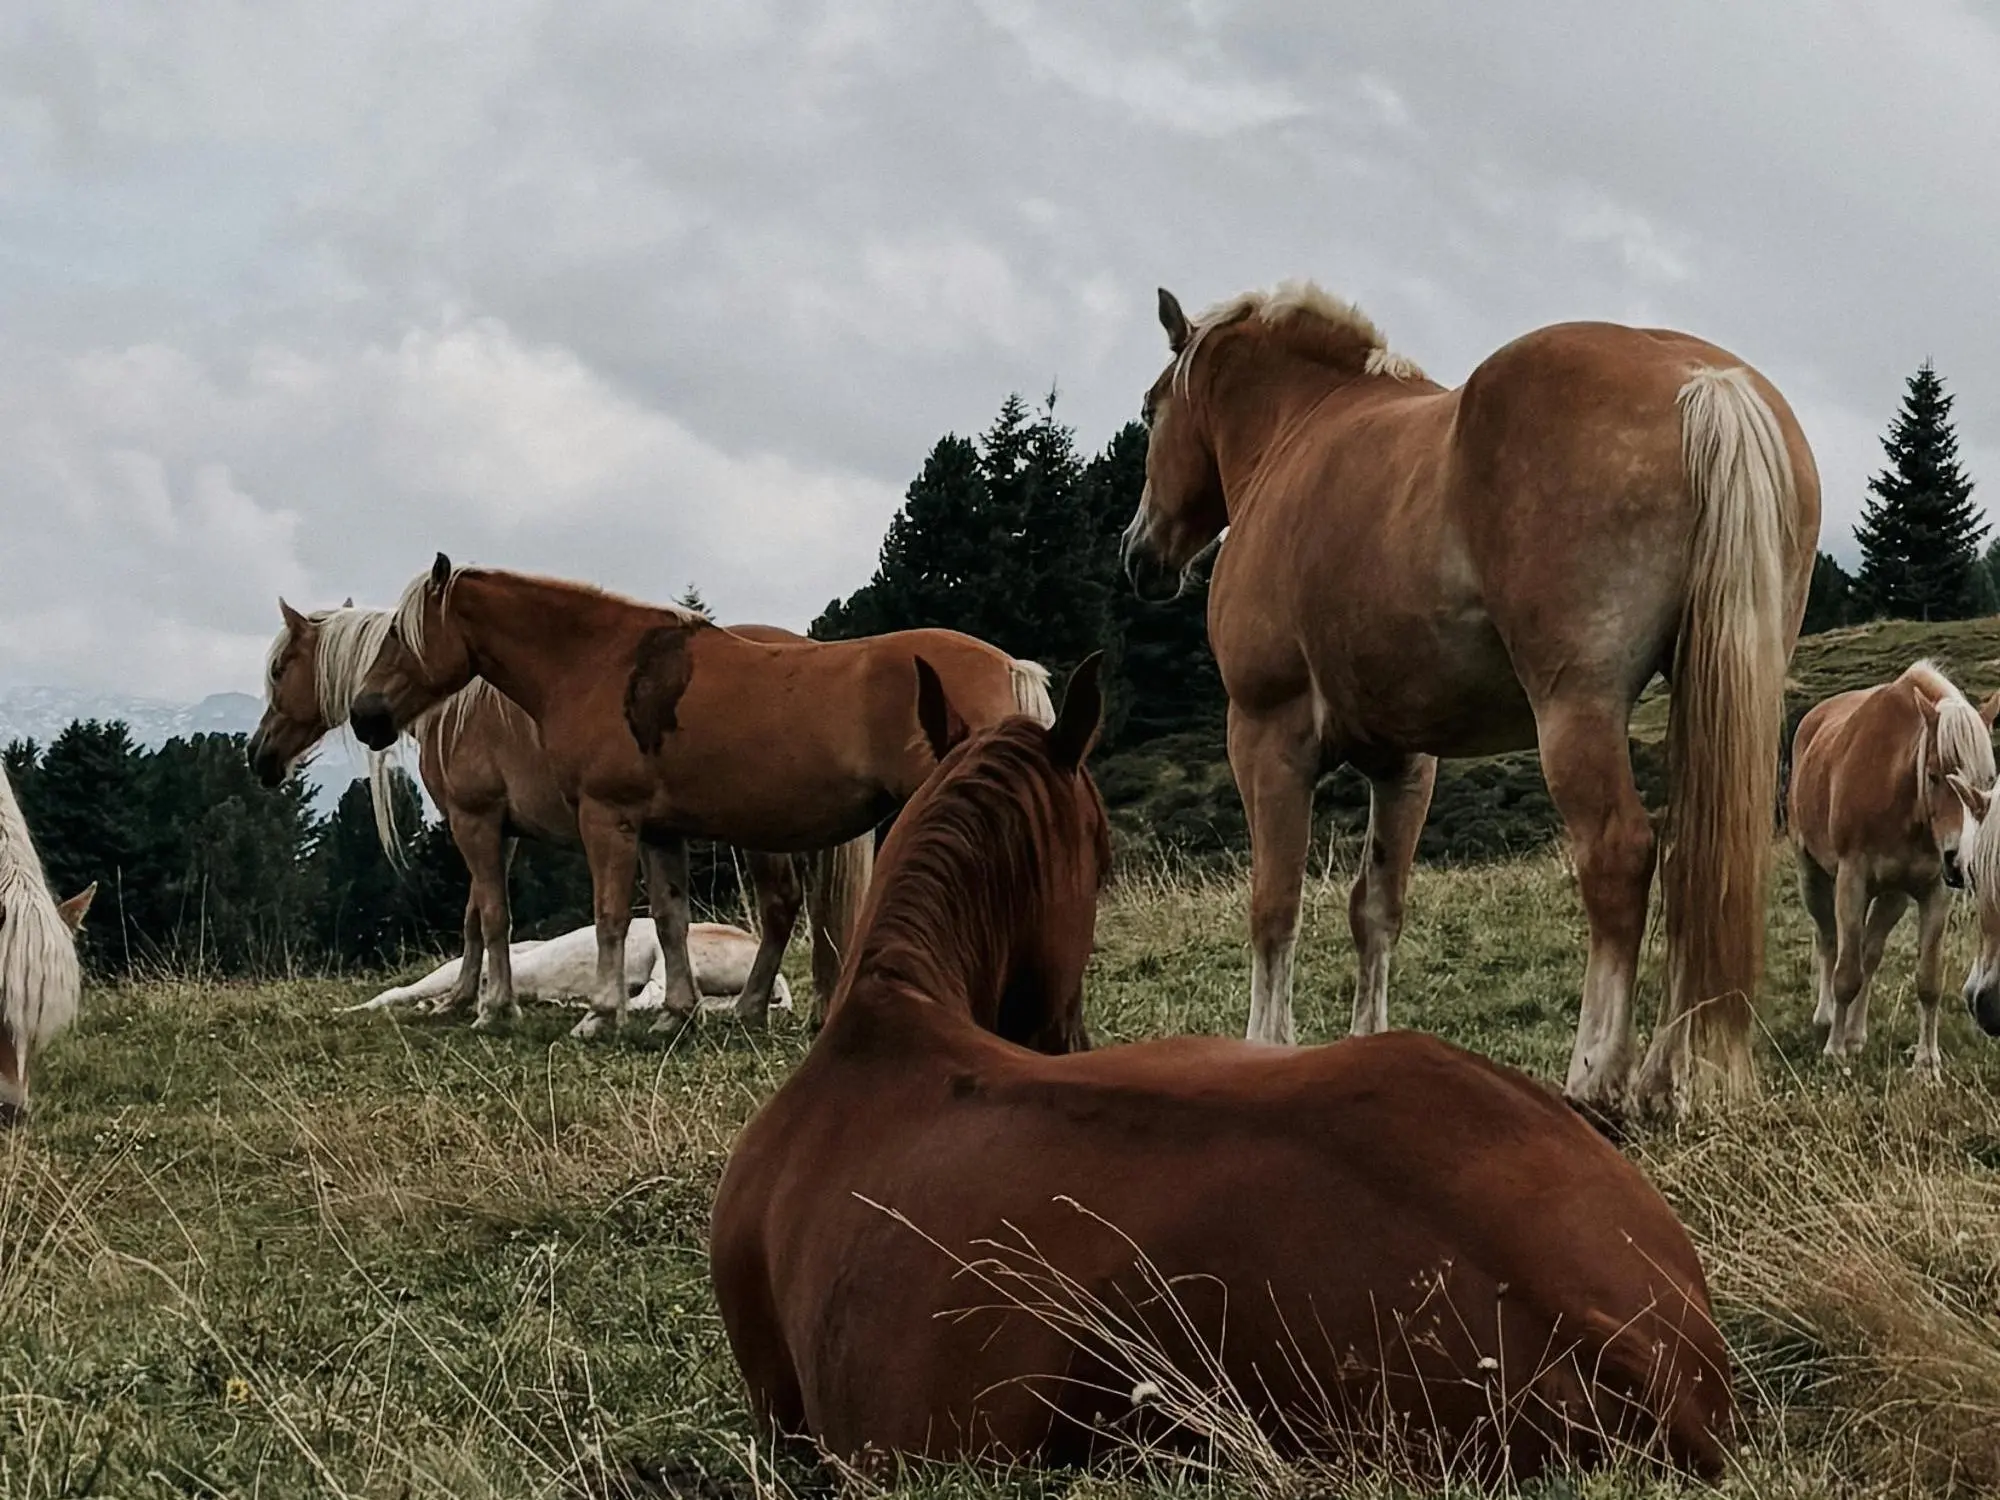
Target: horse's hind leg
667	895
1883	915
775	878
1397	806
1932	910
465	989
1816	891
1275	764
1588	766
612	848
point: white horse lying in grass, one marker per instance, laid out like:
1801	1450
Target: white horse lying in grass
564	969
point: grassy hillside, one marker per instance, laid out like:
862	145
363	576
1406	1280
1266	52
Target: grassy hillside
253	1247
1178	794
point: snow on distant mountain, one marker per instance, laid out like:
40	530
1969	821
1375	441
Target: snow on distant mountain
42	713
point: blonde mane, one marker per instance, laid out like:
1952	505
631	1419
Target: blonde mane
1964	742
408	616
1340	332
41	981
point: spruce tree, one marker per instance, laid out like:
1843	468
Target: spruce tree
1829	600
690	598
1920	531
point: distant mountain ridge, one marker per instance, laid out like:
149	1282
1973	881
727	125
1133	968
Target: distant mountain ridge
42	713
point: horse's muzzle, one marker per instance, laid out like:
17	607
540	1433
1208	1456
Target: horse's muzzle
1985	1007
1954	870
372	721
1152	580
265	763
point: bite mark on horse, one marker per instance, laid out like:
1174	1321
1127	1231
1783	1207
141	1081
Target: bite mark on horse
662	668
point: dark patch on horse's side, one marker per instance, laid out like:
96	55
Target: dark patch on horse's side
662	668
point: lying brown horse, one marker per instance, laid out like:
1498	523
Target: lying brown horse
40	980
953	1233
660	726
481	760
1883	795
1412	572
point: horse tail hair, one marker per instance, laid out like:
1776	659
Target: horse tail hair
1031	691
1725	721
41	979
837	882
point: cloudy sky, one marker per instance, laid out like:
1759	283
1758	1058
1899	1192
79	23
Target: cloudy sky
294	295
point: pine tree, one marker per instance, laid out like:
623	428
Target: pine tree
1830	598
1165	679
1920	531
690	598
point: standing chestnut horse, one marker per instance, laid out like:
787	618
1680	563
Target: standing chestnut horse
1884	793
481	759
1412	572
953	1233
40	980
660	726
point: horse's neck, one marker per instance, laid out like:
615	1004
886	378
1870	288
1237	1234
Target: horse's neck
1251	409
522	651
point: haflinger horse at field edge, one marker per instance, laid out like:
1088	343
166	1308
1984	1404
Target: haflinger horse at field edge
1413	572
41	982
481	760
955	1232
1887	785
660	726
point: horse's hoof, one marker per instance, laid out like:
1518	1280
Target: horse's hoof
492	1021
592	1025
12	1115
672	1022
1607	1119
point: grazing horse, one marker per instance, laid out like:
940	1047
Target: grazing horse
660	726
1412	572
482	761
1878	820
41	982
954	1233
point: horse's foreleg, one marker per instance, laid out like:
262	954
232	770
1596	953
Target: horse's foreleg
667	895
1932	910
775	878
611	846
465	989
1588	766
13	1079
1883	915
1816	891
1397	807
1275	765
1850	973
497	1004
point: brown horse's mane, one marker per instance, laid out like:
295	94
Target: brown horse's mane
956	889
1310	321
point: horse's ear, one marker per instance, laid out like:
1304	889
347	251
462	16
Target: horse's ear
1990	709
1081	715
440	571
1174	321
348	602
295	622
73	910
1929	709
1976	802
943	727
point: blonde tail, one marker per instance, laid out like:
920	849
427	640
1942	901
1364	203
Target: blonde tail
836	885
1725	721
1031	691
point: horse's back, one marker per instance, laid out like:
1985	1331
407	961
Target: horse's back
1388	1161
